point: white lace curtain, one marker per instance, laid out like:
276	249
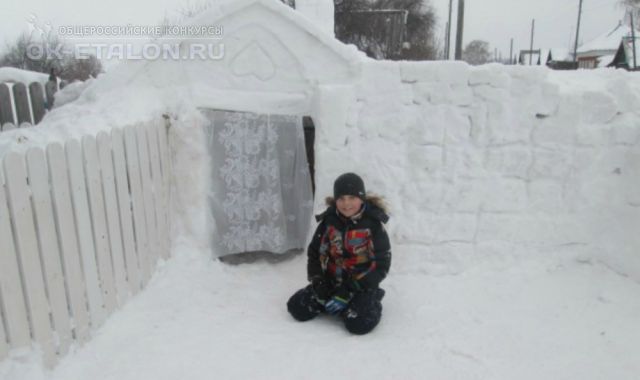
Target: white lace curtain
261	197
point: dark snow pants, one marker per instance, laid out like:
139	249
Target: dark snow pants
361	315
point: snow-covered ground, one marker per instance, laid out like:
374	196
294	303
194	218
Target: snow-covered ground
538	318
515	211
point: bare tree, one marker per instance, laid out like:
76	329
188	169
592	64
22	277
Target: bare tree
476	52
417	43
29	53
49	52
631	6
80	68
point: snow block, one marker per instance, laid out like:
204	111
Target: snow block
463	195
625	130
625	97
546	196
457	125
492	75
504	195
452	227
592	135
427	127
332	105
491	94
425	158
547	163
550	131
380	76
442	93
434	93
509	161
463	161
456	72
598	107
531	229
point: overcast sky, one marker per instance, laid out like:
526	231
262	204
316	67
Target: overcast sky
495	21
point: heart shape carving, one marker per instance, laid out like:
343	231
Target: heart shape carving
253	60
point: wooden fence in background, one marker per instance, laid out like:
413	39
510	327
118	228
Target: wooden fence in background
82	227
22	105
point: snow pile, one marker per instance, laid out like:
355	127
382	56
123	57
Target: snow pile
71	92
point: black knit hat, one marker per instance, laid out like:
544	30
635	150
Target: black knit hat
349	184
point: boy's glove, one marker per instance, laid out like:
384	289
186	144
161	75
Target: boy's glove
339	301
321	289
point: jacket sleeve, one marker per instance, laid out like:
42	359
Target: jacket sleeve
314	267
382	257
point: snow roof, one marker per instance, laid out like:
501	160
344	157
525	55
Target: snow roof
560	54
605	60
544	55
535	57
225	8
607	42
11	74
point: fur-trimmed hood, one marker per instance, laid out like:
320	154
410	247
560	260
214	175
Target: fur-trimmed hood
376	207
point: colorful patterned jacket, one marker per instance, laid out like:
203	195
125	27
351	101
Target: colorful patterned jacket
354	250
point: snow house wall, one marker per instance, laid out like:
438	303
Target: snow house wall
492	161
498	162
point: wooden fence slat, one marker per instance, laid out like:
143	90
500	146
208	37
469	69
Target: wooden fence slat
113	217
8	127
11	291
165	167
21	100
49	251
36	94
133	166
156	177
85	234
27	244
68	240
148	195
99	221
6	110
126	217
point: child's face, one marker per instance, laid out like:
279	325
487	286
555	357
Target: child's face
349	205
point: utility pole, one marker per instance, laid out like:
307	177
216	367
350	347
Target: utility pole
448	43
460	29
533	28
575	47
511	52
633	40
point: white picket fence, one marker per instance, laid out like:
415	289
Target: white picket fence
81	230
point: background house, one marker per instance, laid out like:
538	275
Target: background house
560	59
601	51
530	57
624	57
